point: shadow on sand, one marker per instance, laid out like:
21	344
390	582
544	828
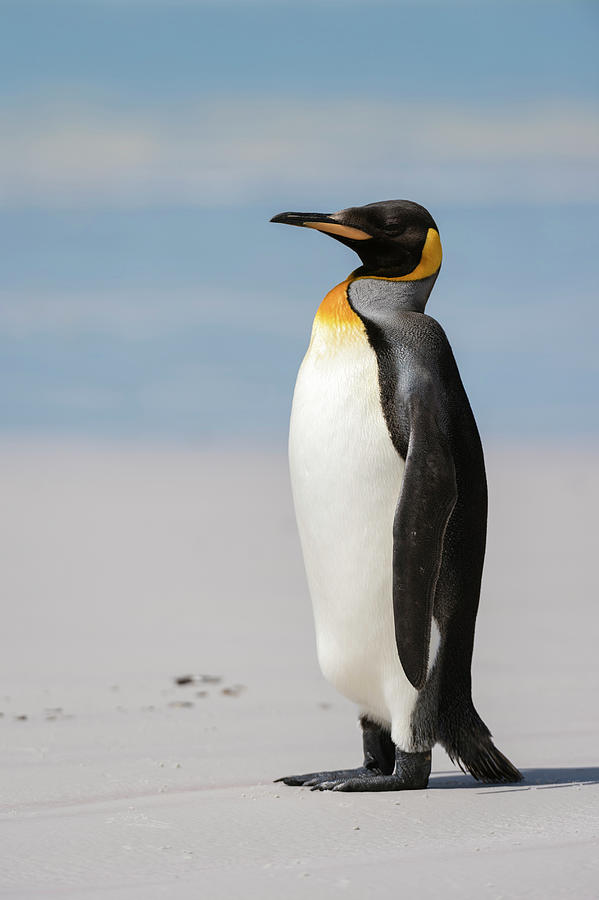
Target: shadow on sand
533	778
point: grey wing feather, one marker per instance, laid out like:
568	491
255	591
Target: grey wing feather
428	496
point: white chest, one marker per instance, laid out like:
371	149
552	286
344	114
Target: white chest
339	443
346	478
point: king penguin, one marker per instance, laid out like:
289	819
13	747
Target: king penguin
389	487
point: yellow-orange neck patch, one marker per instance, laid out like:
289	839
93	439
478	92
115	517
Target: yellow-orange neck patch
335	310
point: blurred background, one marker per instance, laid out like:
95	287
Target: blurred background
146	143
152	322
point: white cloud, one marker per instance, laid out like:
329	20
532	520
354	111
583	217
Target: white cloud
228	151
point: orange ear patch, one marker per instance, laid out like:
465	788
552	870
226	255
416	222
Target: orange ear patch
355	234
432	255
430	260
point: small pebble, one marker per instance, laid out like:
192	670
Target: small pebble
233	691
197	679
181	703
21	718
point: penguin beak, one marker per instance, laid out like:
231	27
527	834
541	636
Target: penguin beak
328	222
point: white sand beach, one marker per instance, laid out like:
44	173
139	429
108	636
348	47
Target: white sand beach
125	567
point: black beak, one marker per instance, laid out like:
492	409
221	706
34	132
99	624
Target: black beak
298	218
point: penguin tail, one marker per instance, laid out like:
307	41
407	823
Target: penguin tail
467	741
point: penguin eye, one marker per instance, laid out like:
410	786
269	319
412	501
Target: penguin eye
392	229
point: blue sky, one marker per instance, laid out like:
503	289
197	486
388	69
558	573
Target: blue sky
145	144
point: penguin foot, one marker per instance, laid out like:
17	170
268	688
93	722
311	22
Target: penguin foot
411	773
372	783
314	779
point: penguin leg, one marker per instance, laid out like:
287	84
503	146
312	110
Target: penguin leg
411	773
379	760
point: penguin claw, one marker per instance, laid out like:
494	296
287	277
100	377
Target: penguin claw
299	780
323	786
291	780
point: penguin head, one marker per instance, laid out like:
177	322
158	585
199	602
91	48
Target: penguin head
393	238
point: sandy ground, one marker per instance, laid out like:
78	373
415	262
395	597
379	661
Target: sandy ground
124	568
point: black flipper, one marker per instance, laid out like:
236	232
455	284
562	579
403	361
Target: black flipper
428	496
